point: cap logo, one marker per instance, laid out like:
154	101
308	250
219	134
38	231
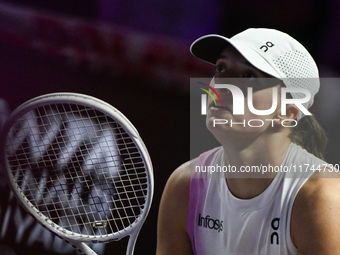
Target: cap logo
265	47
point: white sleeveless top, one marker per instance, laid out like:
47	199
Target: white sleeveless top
219	223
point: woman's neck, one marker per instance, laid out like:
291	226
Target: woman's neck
251	159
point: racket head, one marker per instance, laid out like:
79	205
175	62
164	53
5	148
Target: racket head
34	142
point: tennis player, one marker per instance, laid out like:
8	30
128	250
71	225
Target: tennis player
290	208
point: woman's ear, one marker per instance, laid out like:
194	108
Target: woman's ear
292	112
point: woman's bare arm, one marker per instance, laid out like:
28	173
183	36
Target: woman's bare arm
172	237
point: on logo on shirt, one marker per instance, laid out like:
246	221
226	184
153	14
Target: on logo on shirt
275	224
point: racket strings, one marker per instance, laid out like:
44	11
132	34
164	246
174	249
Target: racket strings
131	197
79	168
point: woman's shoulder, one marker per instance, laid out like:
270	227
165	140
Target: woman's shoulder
180	178
315	211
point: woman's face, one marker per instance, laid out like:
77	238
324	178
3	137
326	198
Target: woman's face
233	68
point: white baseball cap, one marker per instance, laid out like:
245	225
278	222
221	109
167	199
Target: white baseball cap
269	50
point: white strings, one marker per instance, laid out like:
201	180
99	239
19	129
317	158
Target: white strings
79	168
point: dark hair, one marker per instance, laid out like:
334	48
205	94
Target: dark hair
310	135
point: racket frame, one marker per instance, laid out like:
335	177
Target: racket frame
76	239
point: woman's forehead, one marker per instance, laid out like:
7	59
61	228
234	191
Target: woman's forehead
230	52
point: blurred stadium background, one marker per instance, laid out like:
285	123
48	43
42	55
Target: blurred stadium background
134	54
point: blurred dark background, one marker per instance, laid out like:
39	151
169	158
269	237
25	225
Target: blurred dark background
134	54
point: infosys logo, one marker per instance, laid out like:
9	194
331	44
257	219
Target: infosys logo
207	222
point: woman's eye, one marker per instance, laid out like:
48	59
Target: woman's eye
219	69
250	76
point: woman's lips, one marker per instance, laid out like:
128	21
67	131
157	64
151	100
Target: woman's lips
219	106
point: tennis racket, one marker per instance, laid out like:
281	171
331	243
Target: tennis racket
79	167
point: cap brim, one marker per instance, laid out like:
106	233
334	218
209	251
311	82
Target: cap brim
209	48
